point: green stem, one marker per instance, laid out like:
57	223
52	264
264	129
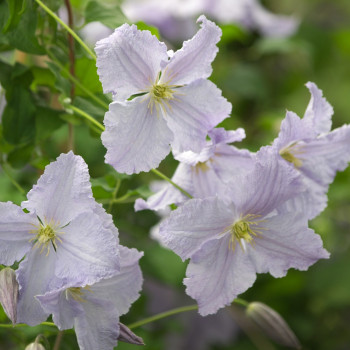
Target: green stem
111	202
161	175
178	310
14	182
51	324
87	116
77	82
69	30
162	315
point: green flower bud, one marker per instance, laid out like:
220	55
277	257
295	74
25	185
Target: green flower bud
9	293
272	324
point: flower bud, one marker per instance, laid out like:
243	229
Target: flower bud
9	293
127	336
35	346
272	324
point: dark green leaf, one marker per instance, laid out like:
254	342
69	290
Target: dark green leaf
47	120
86	73
16	9
20	156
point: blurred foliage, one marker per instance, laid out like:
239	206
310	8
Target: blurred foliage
262	77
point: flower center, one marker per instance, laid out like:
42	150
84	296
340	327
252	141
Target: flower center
244	231
160	95
46	233
291	153
77	293
202	166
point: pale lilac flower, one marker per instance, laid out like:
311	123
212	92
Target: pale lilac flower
178	105
94	310
203	174
65	236
314	150
174	18
228	242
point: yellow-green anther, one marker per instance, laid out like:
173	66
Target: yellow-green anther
289	154
241	229
160	95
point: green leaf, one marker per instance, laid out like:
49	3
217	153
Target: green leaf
47	120
143	26
20	34
111	16
43	77
86	73
16	9
63	85
20	156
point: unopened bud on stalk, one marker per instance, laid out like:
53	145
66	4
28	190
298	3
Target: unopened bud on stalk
9	293
127	336
272	324
35	346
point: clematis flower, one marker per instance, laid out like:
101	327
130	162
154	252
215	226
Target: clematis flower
178	105
229	242
309	145
203	174
64	236
94	310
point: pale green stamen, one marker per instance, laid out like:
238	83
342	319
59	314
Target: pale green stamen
44	235
77	293
160	95
244	230
292	154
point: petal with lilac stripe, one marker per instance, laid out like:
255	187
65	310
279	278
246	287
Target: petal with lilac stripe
128	61
136	139
87	251
216	275
196	109
63	191
194	223
193	60
285	242
15	228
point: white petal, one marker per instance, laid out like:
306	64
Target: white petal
216	275
169	194
194	223
63	191
15	227
196	109
128	61
35	276
319	112
122	289
286	242
136	140
193	60
88	251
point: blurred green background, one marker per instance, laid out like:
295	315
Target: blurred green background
263	78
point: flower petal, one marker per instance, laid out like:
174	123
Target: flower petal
122	289
285	242
272	182
63	311
196	109
97	327
293	129
169	194
128	61
326	155
15	227
193	60
88	251
35	276
216	275
63	191
220	135
136	140
194	223
319	112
